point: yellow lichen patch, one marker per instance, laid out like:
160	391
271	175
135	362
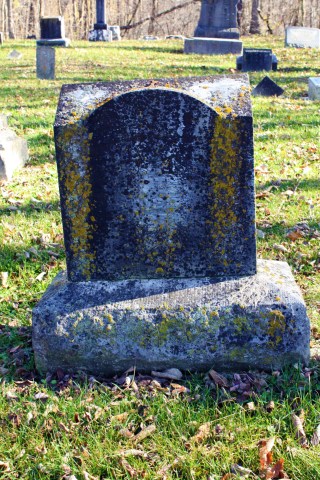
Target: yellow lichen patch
276	326
224	168
75	177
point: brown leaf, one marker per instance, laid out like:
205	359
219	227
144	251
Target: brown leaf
315	439
121	418
146	432
41	396
300	433
4	467
295	235
277	472
218	379
265	453
250	406
125	432
11	395
63	427
128	468
203	433
170	374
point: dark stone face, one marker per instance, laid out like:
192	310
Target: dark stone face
155	183
51	28
256	59
267	88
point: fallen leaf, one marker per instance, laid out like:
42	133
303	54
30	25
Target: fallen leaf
4	279
41	396
265	454
250	406
300	433
277	472
203	433
128	468
63	427
125	432
133	452
87	476
218	379
315	439
120	418
294	235
4	466
146	432
270	406
241	471
11	395
281	248
39	278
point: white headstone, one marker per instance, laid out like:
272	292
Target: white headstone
302	37
314	88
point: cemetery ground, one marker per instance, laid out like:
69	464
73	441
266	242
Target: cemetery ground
135	426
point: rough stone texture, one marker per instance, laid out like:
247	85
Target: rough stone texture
212	46
156	178
314	88
116	34
256	60
218	19
52	32
302	37
194	324
45	62
267	88
13	150
100	35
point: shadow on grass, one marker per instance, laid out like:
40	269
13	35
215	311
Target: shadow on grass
31	208
285	184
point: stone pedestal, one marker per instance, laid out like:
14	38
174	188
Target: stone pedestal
212	46
45	62
13	150
104	328
103	35
314	88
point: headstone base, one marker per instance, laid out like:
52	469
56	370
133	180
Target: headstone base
105	327
13	150
53	42
212	46
100	35
314	88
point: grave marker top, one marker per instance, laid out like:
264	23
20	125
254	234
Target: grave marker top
218	19
156	179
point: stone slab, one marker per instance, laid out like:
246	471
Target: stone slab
13	151
267	88
212	46
302	37
45	62
104	328
156	178
53	42
314	88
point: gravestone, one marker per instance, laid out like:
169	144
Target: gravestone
314	88
218	20
1	38
116	33
101	32
45	62
157	197
256	60
13	150
267	88
52	32
302	37
14	55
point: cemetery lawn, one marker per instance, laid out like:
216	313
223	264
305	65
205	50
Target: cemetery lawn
199	427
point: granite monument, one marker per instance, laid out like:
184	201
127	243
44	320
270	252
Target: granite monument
52	32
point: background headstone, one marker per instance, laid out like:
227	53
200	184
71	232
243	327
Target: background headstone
212	46
13	150
314	88
45	62
302	37
157	195
52	32
257	59
1	38
100	32
267	88
116	34
14	55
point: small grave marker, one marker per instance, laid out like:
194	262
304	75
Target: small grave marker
14	55
257	59
267	88
314	88
13	150
302	37
45	62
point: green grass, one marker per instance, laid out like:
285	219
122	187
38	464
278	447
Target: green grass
75	430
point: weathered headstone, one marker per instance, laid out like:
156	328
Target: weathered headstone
302	37
45	62
256	60
116	33
314	88
52	32
157	195
218	20
1	38
100	32
267	88
13	150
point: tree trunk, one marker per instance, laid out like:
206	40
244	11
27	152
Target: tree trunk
255	27
10	19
